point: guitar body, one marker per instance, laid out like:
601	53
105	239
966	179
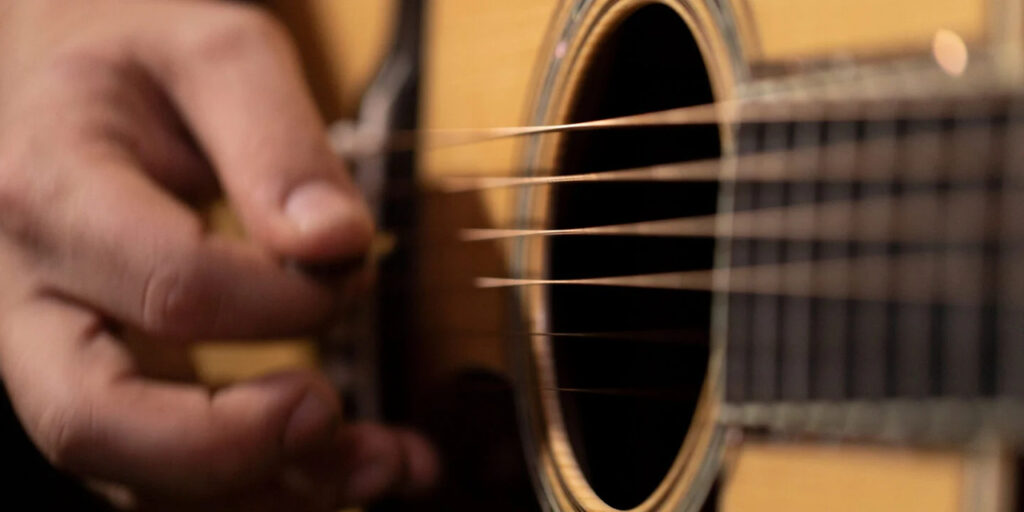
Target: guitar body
777	396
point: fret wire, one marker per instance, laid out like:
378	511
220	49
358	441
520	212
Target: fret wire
869	343
960	328
797	339
1010	270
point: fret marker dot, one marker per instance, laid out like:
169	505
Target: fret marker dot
950	52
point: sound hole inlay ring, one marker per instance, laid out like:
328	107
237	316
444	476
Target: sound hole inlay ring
624	420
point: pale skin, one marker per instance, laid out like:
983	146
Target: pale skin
117	117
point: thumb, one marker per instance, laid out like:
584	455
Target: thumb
238	82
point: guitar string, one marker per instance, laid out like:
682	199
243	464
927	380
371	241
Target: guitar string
696	336
754	277
916	279
827	221
654	335
817	163
664	393
757	110
838	280
765	277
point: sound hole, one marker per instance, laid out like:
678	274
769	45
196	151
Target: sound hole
630	385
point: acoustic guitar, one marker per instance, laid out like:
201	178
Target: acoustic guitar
682	255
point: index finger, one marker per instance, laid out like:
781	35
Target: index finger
237	80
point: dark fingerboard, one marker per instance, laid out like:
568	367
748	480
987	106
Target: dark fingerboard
951	323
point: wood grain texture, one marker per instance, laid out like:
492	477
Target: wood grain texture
779	31
479	61
342	43
809	477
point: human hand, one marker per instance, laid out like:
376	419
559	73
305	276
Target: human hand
115	117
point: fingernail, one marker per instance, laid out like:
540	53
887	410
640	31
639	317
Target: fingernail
318	206
311	422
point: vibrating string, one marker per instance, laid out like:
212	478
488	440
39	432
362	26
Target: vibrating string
756	110
694	336
827	221
862	220
652	335
824	163
911	278
665	393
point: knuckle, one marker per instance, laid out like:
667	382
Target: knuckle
234	32
12	196
18	218
78	64
84	69
174	294
65	433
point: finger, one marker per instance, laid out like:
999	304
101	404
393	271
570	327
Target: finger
368	461
373	463
267	497
238	82
365	462
145	121
111	238
422	467
112	102
93	415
